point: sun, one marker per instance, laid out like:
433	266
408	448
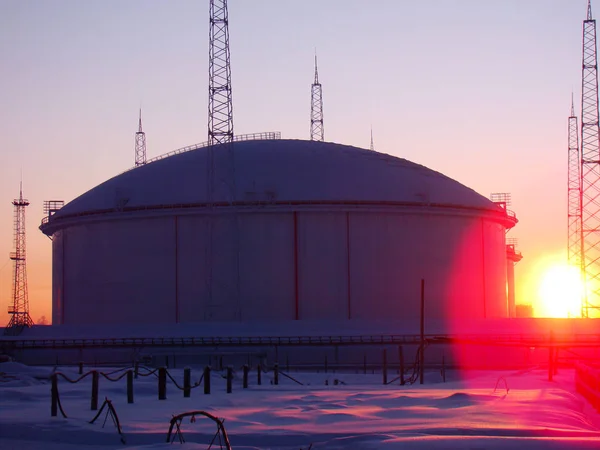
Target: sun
560	291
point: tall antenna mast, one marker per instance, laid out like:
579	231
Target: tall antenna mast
20	308
317	132
372	147
574	194
590	169
223	290
220	108
140	144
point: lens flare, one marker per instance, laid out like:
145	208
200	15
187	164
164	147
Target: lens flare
560	292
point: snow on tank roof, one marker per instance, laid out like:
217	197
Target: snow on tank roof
281	171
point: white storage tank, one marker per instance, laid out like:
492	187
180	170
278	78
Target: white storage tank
286	230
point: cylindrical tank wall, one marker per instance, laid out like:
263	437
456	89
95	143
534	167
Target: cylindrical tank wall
292	265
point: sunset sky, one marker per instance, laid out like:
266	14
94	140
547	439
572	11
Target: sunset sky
478	90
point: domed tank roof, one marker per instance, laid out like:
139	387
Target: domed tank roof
277	171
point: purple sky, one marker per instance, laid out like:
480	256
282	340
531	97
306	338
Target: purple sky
478	90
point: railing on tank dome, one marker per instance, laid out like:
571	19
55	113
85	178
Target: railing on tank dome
270	135
50	208
354	204
503	200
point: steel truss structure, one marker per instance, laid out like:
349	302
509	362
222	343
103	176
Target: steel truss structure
140	144
220	106
19	311
223	294
317	131
574	196
590	170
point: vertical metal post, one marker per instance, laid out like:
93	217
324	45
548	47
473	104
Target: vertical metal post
129	386
94	402
229	379
80	367
551	357
54	395
276	374
348	268
550	368
187	382
384	368
258	375
296	279
162	383
401	361
422	347
443	368
206	378
245	382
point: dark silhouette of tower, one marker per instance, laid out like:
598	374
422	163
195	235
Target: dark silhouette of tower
574	194
220	108
140	144
223	246
317	132
372	147
590	169
20	308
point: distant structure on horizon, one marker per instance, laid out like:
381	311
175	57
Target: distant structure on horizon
317	129
524	311
140	144
513	256
372	147
590	169
19	311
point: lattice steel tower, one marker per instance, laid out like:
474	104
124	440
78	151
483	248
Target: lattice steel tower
140	144
574	242
223	246
372	146
574	192
317	132
590	169
19	310
220	107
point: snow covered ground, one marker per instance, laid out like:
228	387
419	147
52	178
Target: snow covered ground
356	413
